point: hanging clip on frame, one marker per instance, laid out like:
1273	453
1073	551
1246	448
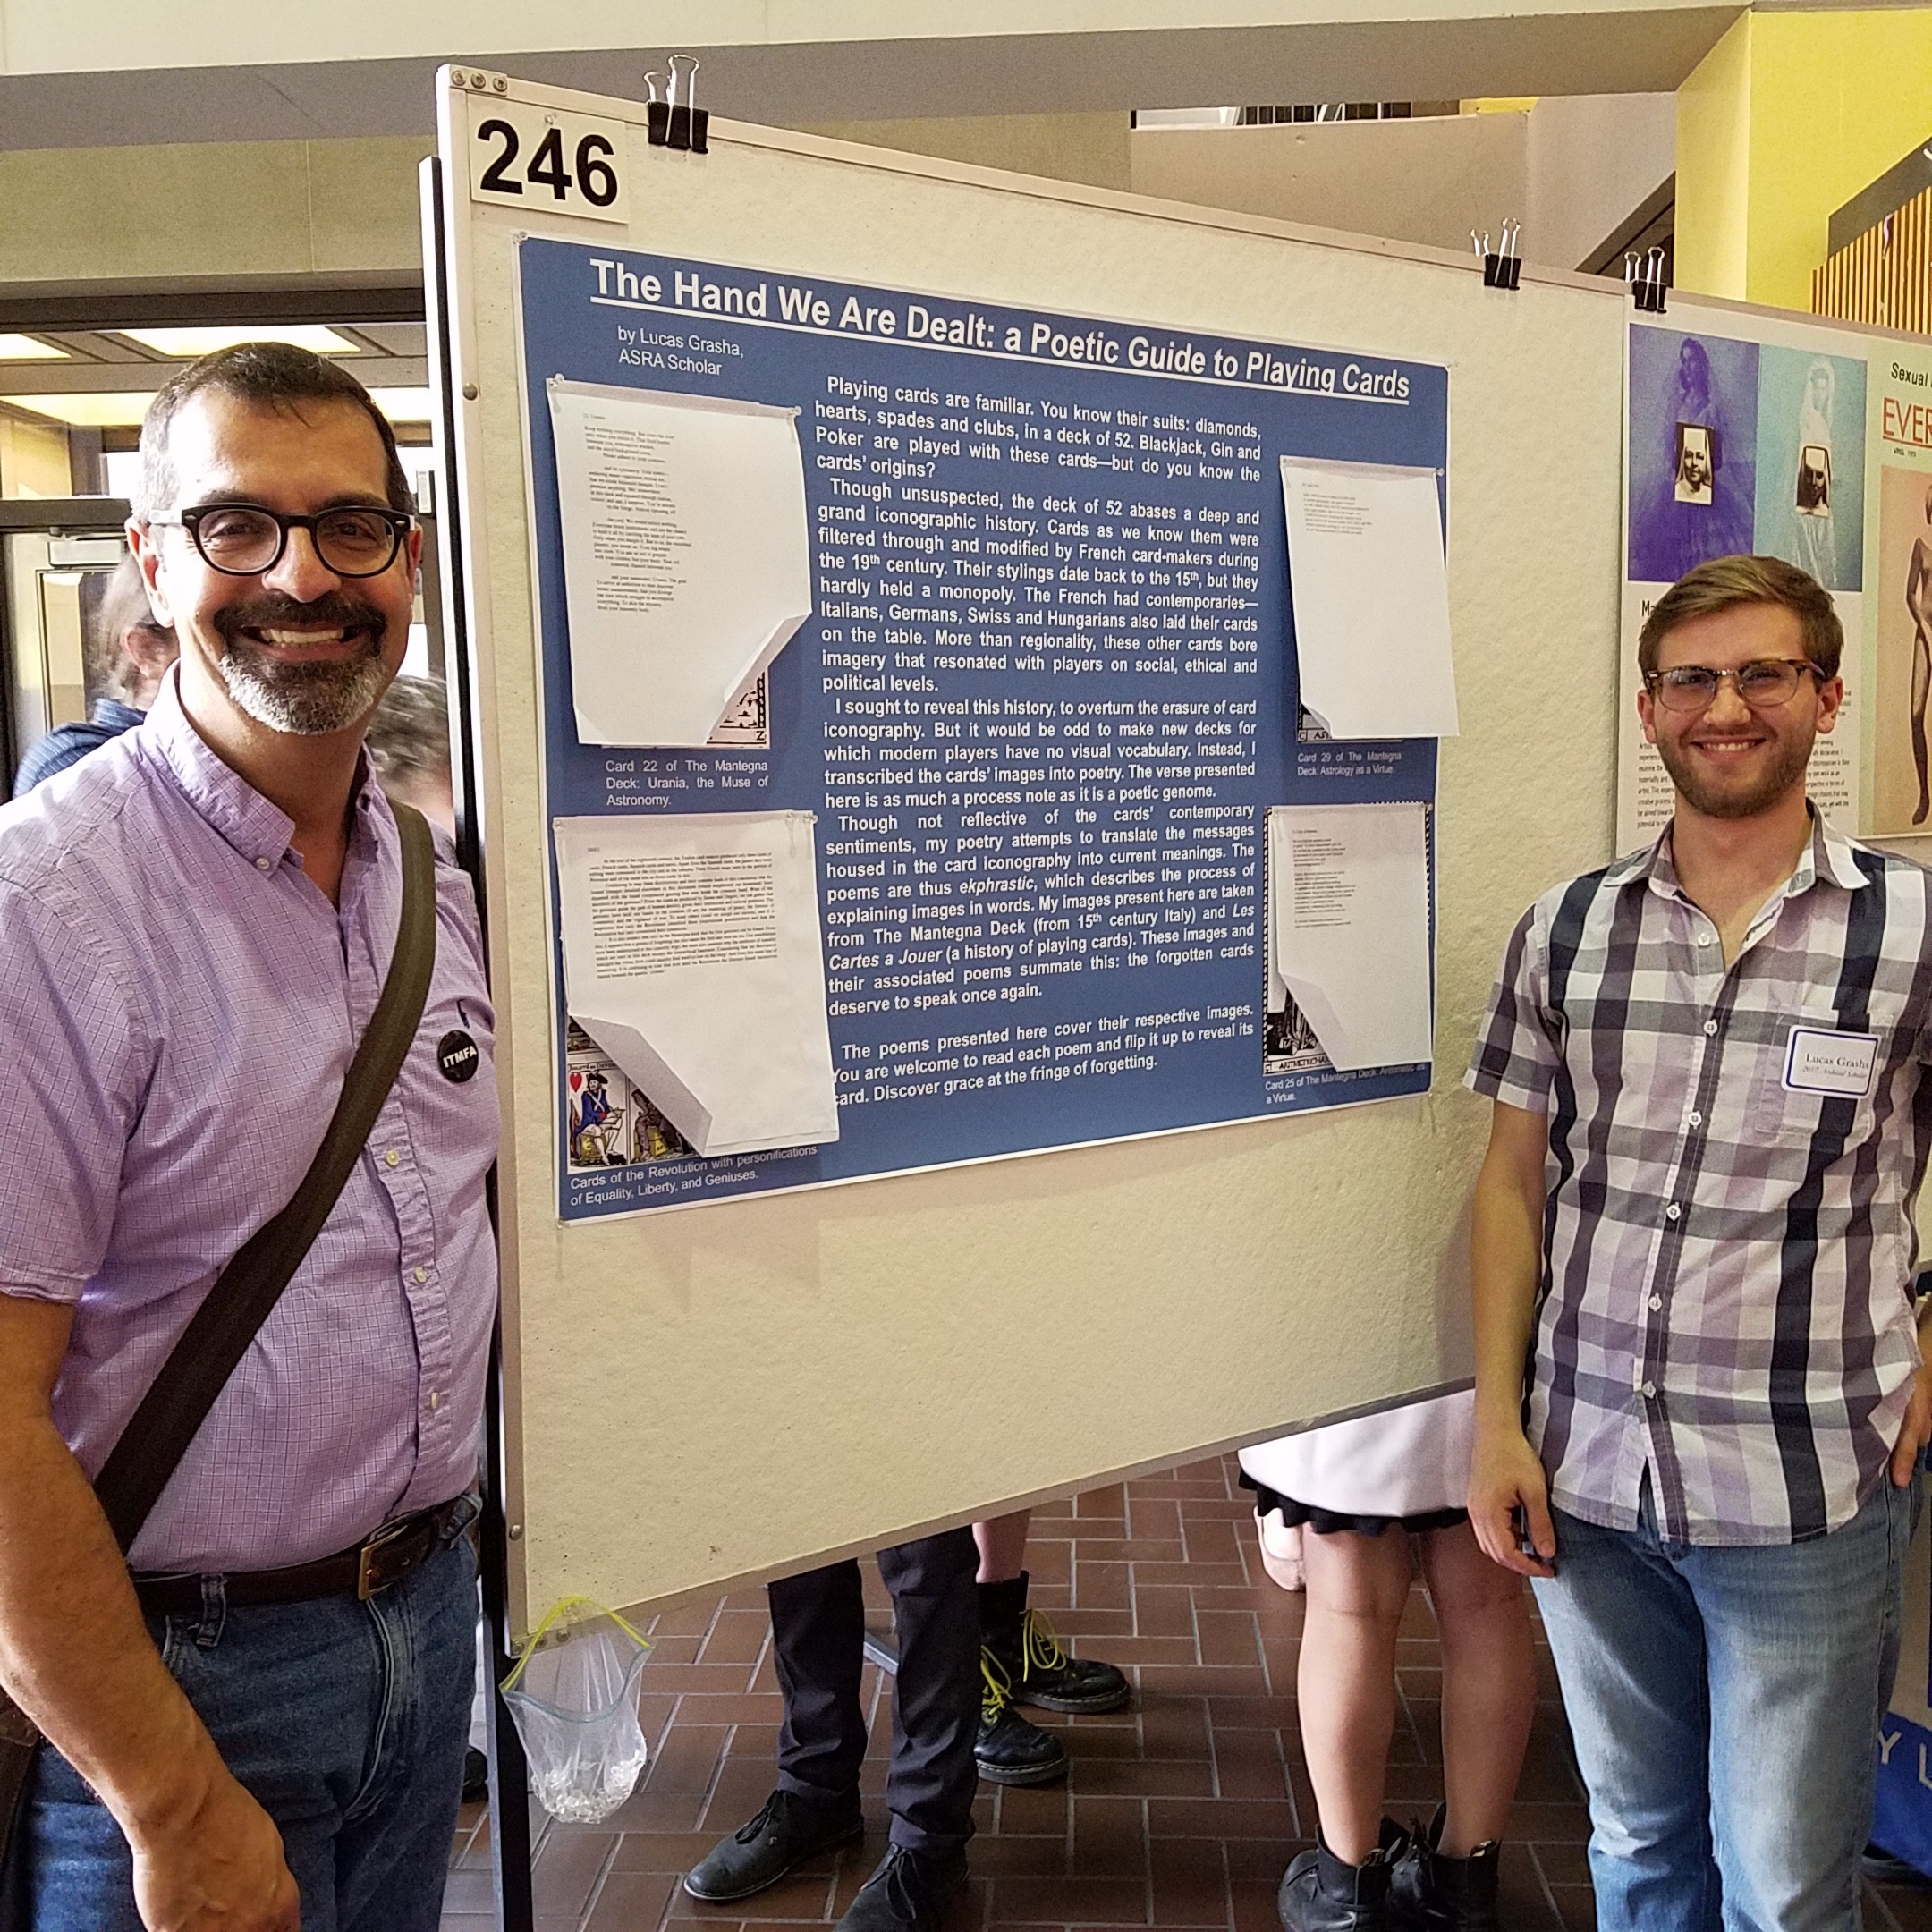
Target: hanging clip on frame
1643	275
689	124
1503	270
657	111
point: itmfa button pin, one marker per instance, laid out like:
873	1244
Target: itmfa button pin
457	1055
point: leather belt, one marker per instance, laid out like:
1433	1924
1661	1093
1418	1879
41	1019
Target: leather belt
372	1565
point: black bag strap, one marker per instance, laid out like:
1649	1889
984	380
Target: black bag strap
221	1329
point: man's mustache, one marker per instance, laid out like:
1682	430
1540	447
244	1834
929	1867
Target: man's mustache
271	612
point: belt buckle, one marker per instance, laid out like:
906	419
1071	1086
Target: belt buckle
368	1582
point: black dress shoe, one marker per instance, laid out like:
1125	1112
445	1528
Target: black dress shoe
908	1893
787	1832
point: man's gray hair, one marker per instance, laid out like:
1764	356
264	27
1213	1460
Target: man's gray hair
270	375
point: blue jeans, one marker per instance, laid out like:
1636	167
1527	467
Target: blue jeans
348	1722
1726	1707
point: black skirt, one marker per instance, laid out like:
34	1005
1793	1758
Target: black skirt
1327	1522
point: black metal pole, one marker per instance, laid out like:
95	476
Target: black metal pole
509	1774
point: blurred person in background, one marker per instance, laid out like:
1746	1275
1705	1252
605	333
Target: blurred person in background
127	653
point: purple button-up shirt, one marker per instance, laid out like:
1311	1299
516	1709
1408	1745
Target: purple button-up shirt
179	1005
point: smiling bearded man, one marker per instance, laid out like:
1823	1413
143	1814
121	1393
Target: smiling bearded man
264	1724
1701	1387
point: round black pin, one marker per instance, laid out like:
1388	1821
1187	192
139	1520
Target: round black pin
457	1055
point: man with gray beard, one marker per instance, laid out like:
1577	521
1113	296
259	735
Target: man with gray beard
258	1719
1701	1383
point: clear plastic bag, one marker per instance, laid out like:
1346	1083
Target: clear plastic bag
573	1695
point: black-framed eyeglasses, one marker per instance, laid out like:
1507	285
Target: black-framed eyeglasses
243	539
1764	684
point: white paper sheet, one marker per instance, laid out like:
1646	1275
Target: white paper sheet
1371	598
691	956
1349	927
687	565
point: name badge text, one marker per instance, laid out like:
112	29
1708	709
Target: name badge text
1828	1062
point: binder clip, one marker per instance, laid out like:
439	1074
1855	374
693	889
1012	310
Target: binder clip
1503	268
1643	275
689	124
656	111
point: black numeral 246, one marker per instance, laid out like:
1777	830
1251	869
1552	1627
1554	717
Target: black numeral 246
594	177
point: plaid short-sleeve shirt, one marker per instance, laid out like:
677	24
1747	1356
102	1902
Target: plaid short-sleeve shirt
1728	1243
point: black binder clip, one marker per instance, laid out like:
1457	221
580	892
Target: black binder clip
1503	268
689	125
1643	275
656	113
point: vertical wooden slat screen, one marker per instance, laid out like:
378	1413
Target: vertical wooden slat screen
1884	276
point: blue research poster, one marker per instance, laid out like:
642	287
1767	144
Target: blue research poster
1045	701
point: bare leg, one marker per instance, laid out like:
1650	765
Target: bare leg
1488	1697
1921	689
1002	1543
1357	1587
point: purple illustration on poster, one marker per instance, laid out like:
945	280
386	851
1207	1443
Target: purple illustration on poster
1693	435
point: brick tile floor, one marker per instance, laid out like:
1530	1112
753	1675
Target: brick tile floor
1179	1812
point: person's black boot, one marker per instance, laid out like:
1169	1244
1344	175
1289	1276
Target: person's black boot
1034	1659
789	1830
1320	1894
909	1892
1008	1750
1429	1893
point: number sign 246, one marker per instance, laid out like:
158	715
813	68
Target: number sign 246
545	162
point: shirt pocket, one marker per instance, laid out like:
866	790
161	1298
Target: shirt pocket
1789	1117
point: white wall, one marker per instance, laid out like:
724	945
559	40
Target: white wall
1592	159
1429	180
1572	169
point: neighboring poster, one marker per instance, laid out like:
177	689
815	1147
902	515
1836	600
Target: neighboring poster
1900	619
1044	702
1743	434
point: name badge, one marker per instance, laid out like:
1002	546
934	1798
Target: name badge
1821	1062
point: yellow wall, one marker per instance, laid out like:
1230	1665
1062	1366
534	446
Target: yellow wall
1787	118
1713	167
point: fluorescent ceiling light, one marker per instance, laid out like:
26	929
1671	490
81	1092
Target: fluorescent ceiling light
25	349
185	344
403	405
104	408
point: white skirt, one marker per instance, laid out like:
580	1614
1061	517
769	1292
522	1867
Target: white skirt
1409	1462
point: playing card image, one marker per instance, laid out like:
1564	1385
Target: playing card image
611	1122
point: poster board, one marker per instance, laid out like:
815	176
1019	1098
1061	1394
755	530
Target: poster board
1037	691
759	1385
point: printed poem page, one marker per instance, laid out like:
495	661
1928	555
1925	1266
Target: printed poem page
691	956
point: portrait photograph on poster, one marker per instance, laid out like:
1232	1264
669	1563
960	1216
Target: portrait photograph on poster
1902	797
1811	463
1693	430
1697	463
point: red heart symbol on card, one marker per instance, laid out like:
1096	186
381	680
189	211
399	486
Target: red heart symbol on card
576	1082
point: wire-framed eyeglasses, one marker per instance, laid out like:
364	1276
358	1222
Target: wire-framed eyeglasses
1764	684
244	539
